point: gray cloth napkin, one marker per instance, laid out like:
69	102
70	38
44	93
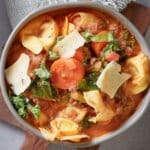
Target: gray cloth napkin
18	9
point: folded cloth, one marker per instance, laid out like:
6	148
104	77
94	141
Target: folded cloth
18	9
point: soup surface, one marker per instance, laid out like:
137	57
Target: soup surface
76	74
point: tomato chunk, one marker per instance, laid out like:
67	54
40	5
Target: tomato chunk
113	56
81	53
66	73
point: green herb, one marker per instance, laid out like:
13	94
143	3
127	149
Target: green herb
23	112
86	123
87	36
103	37
42	72
112	46
53	55
35	110
59	38
19	101
98	37
85	86
126	34
89	83
85	60
41	89
21	104
131	43
54	91
130	39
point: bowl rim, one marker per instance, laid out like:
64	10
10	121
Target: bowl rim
130	121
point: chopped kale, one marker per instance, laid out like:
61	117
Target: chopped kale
42	72
53	55
35	110
22	106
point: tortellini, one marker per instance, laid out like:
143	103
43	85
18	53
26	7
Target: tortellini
48	134
63	129
88	21
73	113
94	99
39	34
67	27
105	114
139	67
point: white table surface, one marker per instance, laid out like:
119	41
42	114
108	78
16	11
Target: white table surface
135	138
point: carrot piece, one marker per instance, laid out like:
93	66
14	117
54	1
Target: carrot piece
98	46
66	73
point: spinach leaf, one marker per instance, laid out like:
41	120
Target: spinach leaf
103	37
89	83
85	60
87	36
98	37
59	38
85	86
53	55
41	89
42	72
86	123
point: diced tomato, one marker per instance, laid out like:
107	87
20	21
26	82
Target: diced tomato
97	47
66	73
132	51
136	49
113	56
129	51
80	54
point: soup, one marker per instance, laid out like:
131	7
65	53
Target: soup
76	74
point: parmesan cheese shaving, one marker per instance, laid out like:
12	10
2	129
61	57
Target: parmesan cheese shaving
111	79
68	46
16	74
